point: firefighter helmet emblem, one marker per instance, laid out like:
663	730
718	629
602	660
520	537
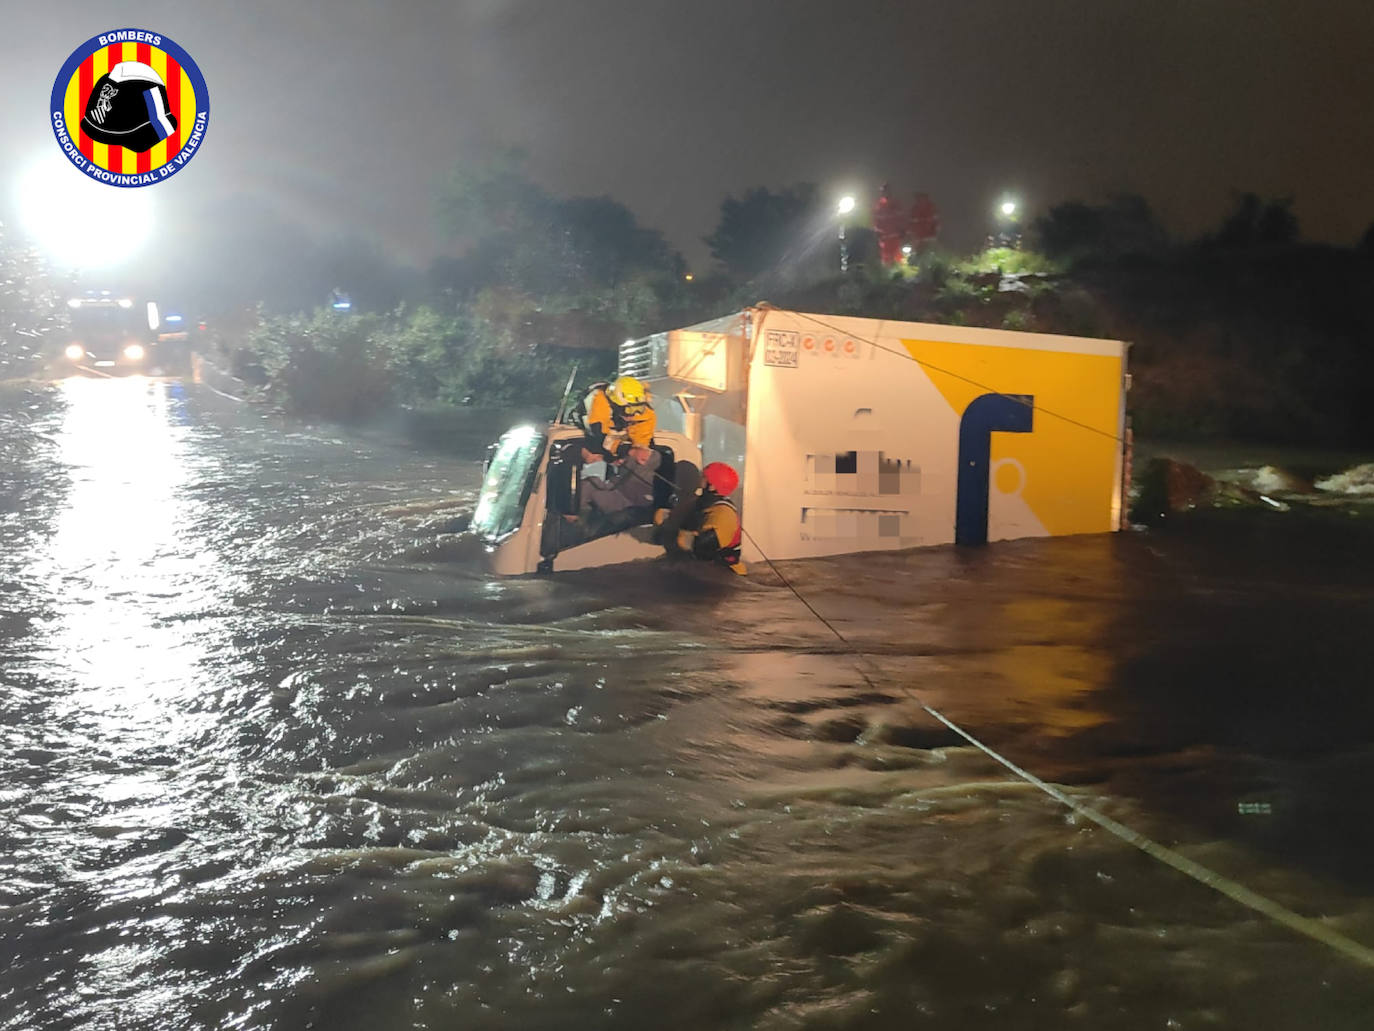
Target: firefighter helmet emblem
130	107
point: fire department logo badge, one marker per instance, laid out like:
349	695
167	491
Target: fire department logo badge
130	108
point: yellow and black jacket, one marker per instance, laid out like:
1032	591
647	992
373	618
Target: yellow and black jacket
608	426
639	423
713	531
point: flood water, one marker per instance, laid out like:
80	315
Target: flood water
275	755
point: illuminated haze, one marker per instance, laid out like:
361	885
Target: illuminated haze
342	115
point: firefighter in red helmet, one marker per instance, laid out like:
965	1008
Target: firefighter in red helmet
712	530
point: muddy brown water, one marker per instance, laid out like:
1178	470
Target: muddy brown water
276	755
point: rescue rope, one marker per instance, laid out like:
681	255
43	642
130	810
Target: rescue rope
1310	928
1280	914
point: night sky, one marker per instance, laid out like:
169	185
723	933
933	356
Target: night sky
344	114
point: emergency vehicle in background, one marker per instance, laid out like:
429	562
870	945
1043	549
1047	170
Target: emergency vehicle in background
111	334
849	435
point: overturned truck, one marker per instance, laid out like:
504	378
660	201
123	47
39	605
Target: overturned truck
849	435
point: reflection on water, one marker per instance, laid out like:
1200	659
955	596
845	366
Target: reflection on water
117	563
272	759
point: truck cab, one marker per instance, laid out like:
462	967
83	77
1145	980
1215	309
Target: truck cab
534	479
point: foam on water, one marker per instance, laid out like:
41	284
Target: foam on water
1357	481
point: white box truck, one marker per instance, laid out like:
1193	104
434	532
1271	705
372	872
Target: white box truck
849	434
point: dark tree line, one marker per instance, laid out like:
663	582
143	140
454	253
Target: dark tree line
1126	224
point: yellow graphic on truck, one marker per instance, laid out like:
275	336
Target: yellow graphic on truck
1065	469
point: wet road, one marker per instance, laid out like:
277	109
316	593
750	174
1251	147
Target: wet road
276	756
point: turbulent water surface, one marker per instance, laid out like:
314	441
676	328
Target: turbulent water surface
275	755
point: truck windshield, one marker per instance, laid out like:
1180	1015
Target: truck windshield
506	487
106	320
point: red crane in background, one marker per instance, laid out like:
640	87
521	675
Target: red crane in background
890	223
925	222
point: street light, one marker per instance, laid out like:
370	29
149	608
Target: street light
845	206
1008	214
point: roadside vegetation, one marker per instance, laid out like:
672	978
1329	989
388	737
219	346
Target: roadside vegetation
545	284
1244	333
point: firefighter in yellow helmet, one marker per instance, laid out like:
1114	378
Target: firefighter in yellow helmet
617	412
631	405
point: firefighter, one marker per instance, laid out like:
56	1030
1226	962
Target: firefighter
614	413
597	419
630	401
712	531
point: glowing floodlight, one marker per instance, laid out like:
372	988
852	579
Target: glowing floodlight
846	205
80	223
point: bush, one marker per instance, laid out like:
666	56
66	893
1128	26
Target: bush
957	293
326	364
1018	319
418	348
350	368
1007	261
935	268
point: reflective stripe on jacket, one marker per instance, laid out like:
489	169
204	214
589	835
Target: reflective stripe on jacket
608	426
640	423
